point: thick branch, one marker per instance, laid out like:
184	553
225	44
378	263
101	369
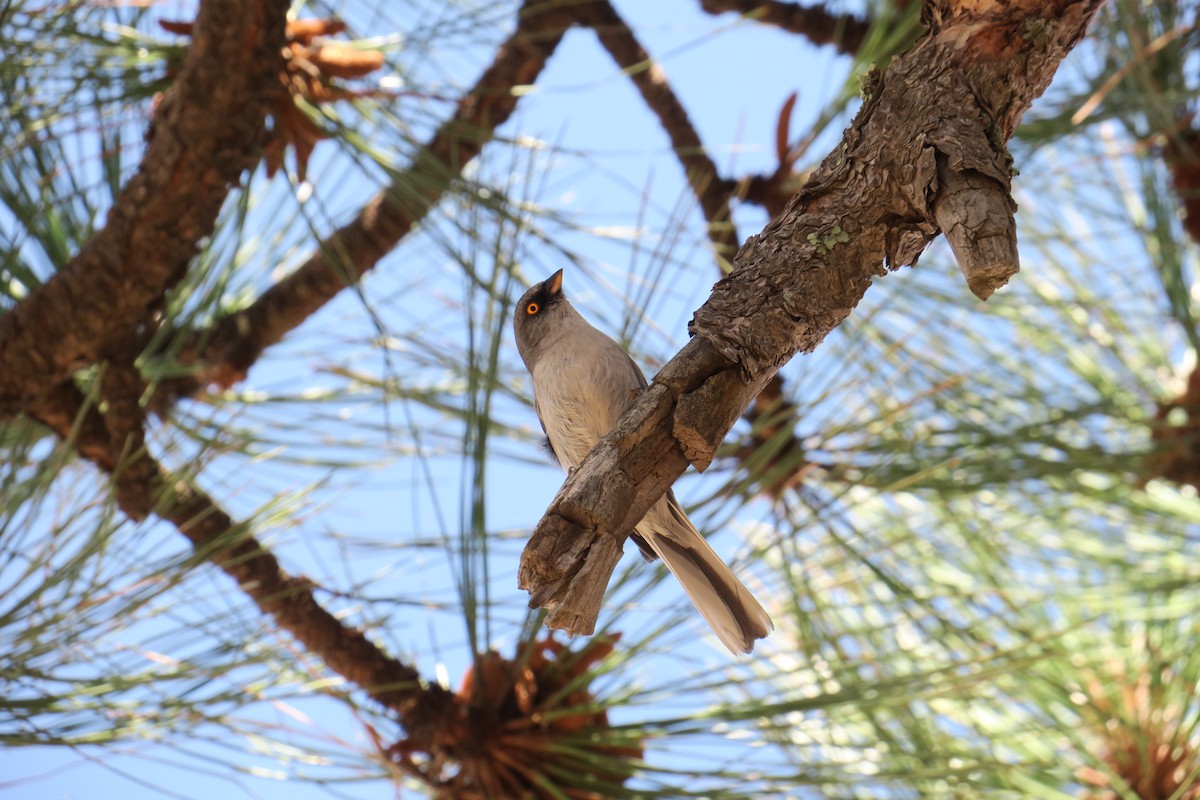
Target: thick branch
815	23
711	191
150	210
114	441
207	130
290	601
871	203
238	340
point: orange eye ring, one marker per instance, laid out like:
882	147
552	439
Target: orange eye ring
532	309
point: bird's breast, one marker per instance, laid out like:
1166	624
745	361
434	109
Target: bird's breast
579	399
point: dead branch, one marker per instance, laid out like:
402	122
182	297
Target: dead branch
957	95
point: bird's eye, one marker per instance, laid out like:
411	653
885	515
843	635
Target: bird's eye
532	309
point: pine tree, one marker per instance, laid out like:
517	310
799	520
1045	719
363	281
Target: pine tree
257	282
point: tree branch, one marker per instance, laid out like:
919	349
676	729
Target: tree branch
815	23
342	258
114	441
121	389
207	129
142	485
711	191
421	708
955	97
170	205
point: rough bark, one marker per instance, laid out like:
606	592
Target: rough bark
934	122
207	129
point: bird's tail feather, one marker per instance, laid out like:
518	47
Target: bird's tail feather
726	605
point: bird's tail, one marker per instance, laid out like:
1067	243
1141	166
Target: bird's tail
726	605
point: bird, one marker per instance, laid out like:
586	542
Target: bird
582	382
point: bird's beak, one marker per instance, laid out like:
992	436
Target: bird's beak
554	284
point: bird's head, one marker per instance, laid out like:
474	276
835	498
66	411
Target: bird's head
541	317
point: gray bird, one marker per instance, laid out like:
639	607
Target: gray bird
582	382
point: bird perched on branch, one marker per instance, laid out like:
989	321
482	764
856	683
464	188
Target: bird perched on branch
582	382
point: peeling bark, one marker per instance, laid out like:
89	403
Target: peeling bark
932	128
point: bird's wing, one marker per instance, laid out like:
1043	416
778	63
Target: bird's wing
549	445
630	375
641	377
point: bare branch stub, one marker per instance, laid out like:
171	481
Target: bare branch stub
869	206
975	213
871	203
